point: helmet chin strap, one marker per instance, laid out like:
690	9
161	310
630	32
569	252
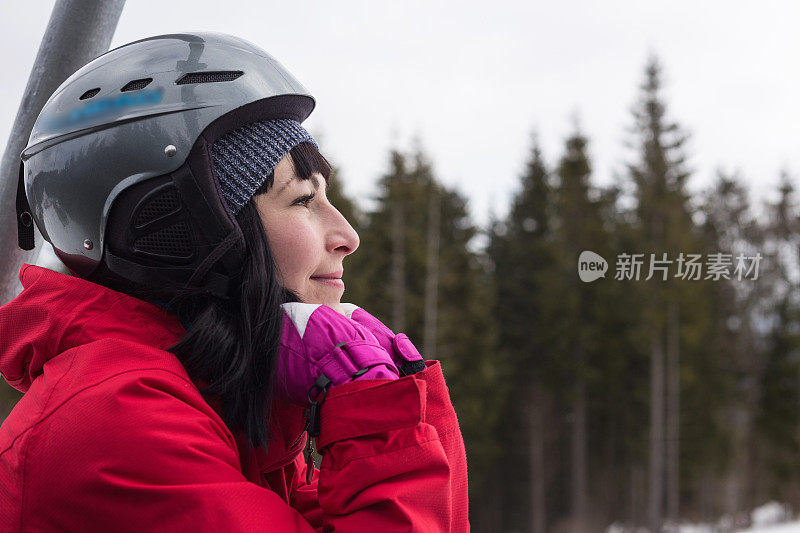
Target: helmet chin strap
215	283
216	254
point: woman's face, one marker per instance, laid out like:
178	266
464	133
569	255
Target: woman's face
308	237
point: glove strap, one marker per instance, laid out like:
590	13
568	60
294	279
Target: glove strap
354	358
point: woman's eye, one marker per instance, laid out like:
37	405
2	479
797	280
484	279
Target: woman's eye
304	200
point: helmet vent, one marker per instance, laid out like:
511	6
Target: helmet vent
88	94
160	205
208	77
135	85
171	241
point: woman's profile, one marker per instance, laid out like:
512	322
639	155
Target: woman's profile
184	376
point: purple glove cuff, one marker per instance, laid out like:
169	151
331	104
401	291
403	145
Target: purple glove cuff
405	349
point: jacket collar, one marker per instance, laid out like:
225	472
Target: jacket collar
56	312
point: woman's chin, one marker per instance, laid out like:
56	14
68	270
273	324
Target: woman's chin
333	304
336	306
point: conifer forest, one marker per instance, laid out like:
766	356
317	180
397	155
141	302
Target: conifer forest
623	355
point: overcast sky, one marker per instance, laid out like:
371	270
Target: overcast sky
472	80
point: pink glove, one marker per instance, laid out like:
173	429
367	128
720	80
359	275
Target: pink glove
321	348
319	343
404	354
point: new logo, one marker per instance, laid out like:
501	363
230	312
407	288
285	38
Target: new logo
591	266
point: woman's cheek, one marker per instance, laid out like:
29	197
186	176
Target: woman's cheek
299	258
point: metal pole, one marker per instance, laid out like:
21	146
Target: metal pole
78	31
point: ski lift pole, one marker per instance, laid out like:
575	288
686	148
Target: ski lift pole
78	31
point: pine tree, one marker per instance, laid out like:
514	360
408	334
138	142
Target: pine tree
619	396
729	226
775	376
523	256
576	229
665	227
580	227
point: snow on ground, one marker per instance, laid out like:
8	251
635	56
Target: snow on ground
771	517
788	527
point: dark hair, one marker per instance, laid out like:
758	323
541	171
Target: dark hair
231	346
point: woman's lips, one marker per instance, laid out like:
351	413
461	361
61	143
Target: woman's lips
337	274
333	282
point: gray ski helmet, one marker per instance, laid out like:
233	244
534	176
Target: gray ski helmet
117	174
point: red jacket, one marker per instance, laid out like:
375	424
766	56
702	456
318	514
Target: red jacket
112	435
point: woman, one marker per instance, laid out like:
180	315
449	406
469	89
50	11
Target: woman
168	385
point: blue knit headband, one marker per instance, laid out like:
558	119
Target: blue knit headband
244	158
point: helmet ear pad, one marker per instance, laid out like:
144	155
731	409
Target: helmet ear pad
173	231
162	233
176	230
155	227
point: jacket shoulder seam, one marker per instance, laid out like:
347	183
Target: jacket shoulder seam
86	388
28	445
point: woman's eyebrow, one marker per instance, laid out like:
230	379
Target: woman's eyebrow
286	184
312	179
314	182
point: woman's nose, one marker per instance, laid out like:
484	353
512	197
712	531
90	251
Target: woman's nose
342	237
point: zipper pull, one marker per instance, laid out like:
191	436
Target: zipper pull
309	415
309	461
312	430
312	416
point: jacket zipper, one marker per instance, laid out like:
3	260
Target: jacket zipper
313	422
